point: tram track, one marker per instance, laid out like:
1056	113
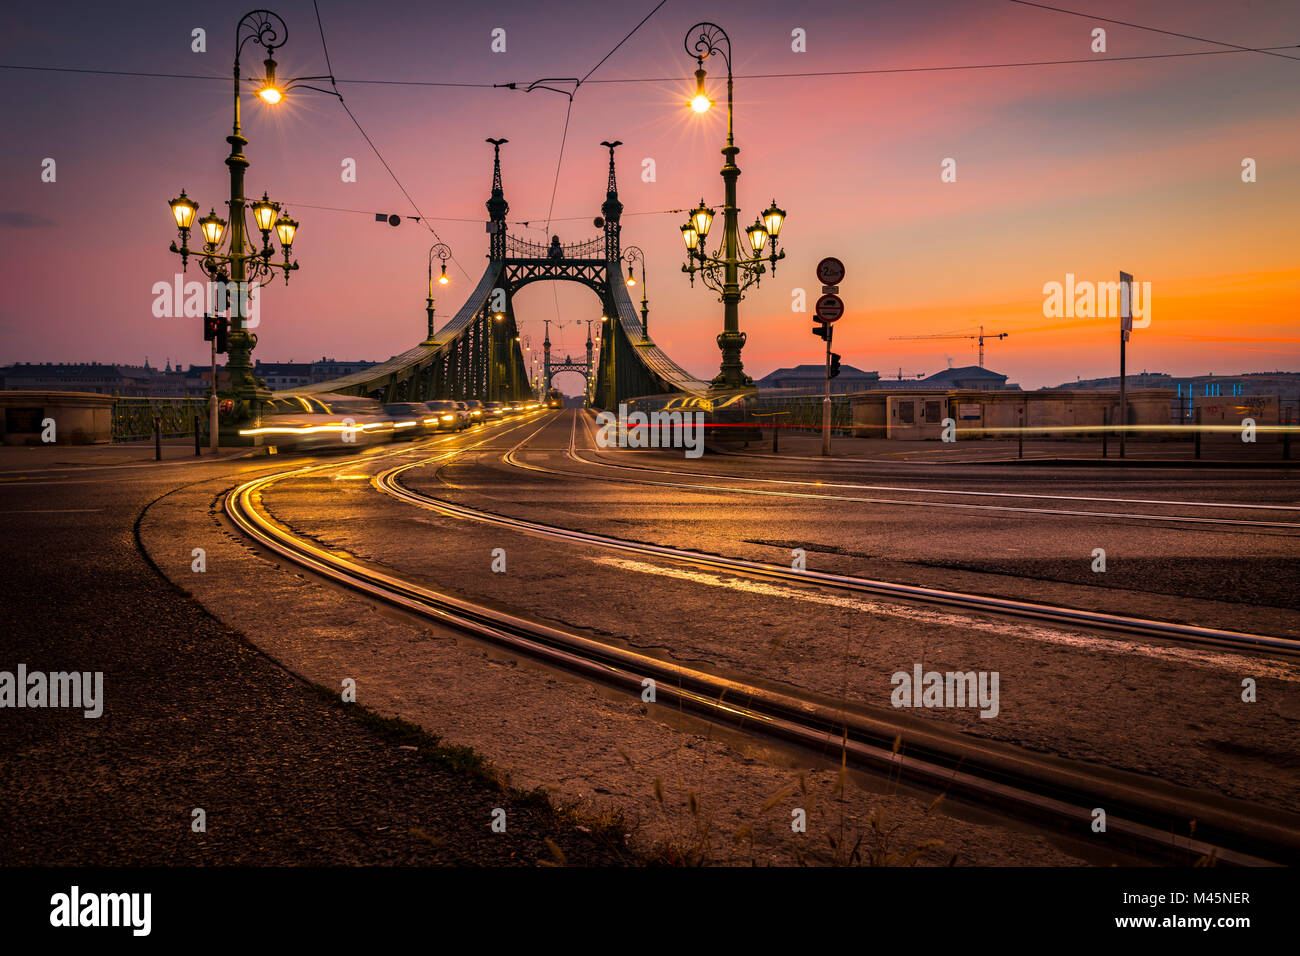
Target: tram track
389	482
1290	527
1144	816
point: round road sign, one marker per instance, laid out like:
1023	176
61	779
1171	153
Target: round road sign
830	271
829	308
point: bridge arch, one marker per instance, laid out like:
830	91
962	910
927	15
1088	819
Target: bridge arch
478	353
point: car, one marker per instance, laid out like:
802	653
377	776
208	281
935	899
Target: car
494	411
475	408
445	415
411	420
462	410
308	422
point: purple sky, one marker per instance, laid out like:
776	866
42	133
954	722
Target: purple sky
1083	169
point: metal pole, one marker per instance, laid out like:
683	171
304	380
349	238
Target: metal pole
214	434
157	438
826	402
198	449
731	340
1020	434
1198	434
776	431
1286	435
1105	424
1123	394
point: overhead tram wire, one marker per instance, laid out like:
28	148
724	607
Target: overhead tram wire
527	223
568	114
1138	26
329	66
679	79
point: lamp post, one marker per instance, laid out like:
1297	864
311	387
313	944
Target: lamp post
441	251
607	341
493	377
228	256
722	271
634	254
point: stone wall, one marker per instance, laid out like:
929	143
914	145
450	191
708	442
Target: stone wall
80	418
1056	413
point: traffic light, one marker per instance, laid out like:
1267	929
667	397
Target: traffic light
835	364
822	331
216	328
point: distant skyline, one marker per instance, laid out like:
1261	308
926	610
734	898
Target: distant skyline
1082	169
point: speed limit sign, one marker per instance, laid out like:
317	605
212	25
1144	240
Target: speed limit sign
830	271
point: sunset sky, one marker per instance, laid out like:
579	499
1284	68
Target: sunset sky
1087	168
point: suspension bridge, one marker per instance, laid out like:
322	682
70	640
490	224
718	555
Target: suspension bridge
478	353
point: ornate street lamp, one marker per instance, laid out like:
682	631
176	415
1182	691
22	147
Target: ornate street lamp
228	255
730	270
634	254
443	252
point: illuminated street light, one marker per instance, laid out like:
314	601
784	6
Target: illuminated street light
729	270
441	251
212	226
265	214
183	210
228	256
630	255
270	92
700	102
286	229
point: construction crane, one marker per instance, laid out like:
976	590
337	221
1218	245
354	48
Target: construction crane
957	335
909	374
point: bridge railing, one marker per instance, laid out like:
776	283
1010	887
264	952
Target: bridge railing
524	249
133	418
803	410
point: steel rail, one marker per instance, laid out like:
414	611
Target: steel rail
389	483
1050	512
1144	816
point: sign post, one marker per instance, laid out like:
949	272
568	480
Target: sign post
1125	330
830	307
214	428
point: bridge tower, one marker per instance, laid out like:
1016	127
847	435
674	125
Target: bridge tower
591	376
546	349
497	206
612	210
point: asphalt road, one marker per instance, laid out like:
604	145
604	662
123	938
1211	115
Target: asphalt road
195	717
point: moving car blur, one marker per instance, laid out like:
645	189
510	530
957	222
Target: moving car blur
327	420
447	415
475	408
411	420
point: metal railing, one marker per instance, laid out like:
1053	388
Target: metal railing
803	411
524	249
133	418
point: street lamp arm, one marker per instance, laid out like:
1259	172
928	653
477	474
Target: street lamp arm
708	42
262	26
